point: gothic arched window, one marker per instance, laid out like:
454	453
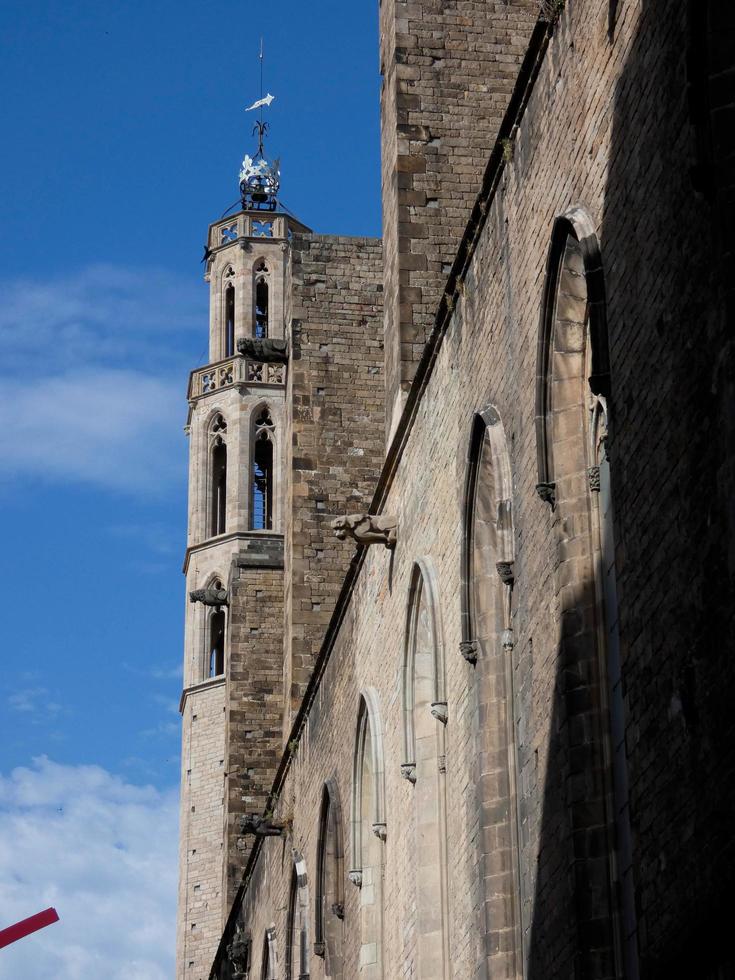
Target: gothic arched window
329	918
573	389
369	833
297	927
424	712
262	472
229	320
260	324
487	642
218	477
216	643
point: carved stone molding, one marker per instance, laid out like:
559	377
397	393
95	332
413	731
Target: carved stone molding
440	711
408	771
367	529
338	909
593	478
505	571
356	878
268	351
258	826
320	949
442	763
380	830
469	650
210	597
547	492
508	639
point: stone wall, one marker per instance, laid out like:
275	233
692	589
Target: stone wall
335	399
607	128
448	70
253	705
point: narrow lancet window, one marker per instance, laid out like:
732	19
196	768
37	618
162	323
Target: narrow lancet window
261	309
218	505
262	473
229	320
217	643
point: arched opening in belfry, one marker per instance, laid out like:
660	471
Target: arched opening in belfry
261	307
262	472
229	320
217	643
218	504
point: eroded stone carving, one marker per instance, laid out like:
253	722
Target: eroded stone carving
320	949
259	826
268	351
380	830
505	571
238	953
408	771
439	711
547	492
367	529
469	650
210	596
338	909
356	878
593	477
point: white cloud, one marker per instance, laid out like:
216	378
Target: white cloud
95	374
115	428
102	851
36	703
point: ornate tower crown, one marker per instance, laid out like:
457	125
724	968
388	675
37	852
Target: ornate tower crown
259	179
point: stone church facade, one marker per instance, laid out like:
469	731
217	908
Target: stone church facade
459	679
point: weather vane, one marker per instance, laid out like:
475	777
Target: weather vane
260	180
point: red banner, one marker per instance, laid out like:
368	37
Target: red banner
27	926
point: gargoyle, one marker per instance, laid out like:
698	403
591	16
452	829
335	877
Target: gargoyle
259	826
238	953
367	529
268	351
210	597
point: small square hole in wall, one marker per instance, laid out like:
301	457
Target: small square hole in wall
193	809
258	593
319	553
193	717
197	888
253	629
321	391
194	851
321	505
316	606
323	346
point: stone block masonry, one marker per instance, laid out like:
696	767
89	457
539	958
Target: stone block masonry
335	418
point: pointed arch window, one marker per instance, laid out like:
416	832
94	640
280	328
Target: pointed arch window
260	324
229	319
424	714
369	833
329	918
297	936
487	642
262	472
218	483
217	641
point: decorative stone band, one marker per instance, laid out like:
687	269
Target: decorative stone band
469	650
439	711
547	492
367	529
593	478
234	371
356	878
408	771
380	830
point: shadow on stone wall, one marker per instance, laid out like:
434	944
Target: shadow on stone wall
666	237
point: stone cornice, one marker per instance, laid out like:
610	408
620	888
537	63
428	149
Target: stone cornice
208	685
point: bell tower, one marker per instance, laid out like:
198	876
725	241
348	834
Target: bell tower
231	704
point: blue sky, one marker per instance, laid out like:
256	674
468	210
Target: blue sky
123	129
